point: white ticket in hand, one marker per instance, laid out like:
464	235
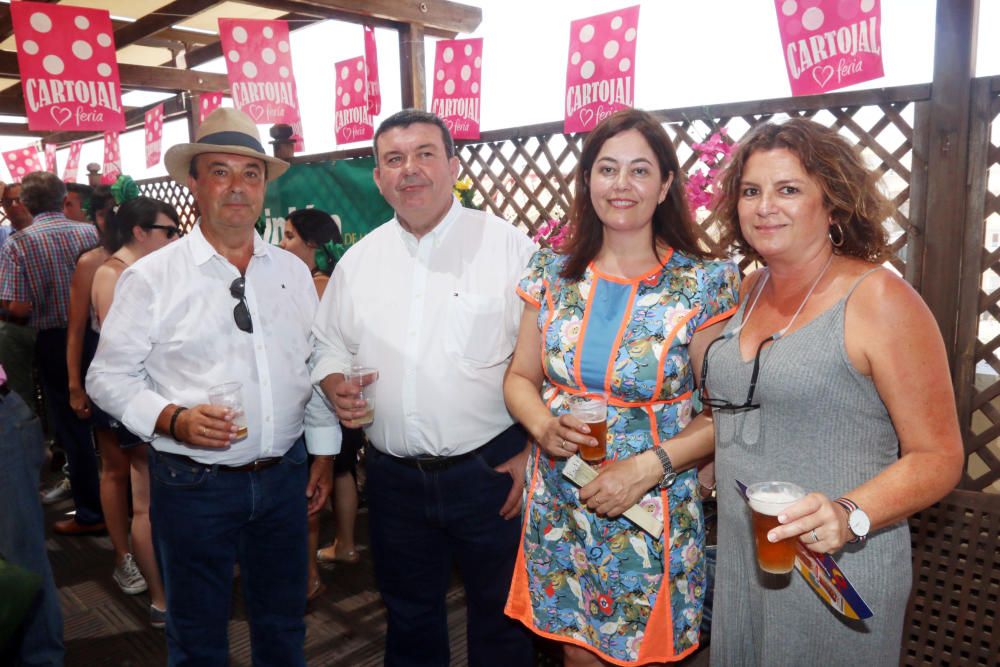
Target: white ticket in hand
582	474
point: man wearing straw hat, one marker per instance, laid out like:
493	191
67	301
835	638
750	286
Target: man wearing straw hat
222	306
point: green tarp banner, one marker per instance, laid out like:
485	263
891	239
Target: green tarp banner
343	188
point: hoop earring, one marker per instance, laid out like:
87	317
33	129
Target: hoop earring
837	239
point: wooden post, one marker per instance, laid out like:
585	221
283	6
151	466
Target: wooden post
411	66
283	144
194	100
93	174
947	164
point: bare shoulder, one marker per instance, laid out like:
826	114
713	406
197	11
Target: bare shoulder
883	296
90	260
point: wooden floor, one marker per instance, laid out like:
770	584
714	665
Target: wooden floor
104	627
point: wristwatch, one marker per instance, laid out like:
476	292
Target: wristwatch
668	468
857	521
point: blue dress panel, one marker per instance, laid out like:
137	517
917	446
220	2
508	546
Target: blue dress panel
601	583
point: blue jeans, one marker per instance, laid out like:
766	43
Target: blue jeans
22	531
422	524
72	432
205	521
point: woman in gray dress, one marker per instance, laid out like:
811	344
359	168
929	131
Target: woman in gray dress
831	375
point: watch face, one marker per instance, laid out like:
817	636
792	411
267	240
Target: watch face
859	523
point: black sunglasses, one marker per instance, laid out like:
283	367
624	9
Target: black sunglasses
241	313
721	403
169	229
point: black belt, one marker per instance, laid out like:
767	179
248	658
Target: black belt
253	466
13	319
430	463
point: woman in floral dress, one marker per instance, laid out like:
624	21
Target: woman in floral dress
625	310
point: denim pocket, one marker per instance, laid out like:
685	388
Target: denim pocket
493	472
177	474
297	455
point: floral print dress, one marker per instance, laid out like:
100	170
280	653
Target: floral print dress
600	583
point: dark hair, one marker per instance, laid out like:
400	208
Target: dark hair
85	191
408	117
101	201
42	192
672	223
141	212
317	229
850	189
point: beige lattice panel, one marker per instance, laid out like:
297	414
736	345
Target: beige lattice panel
167	190
983	442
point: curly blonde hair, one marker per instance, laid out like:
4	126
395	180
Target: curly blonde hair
850	189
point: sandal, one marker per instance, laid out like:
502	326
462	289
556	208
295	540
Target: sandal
324	556
317	590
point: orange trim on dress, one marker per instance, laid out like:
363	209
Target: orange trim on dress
718	318
519	598
625	281
609	372
617	402
666	353
577	370
527	298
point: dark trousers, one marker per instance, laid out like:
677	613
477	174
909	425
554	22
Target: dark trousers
73	433
422	524
205	521
22	533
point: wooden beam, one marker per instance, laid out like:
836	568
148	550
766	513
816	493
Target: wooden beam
164	17
411	67
143	76
437	14
947	164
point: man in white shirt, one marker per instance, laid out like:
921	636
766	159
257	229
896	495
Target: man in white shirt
221	305
428	299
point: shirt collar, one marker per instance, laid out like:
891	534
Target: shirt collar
436	235
202	250
49	216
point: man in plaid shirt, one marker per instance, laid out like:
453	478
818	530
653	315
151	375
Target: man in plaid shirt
36	266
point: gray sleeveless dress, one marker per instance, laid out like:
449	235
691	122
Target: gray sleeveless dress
823	426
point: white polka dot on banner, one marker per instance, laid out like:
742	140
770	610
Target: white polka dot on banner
448	55
439	75
340	90
474	87
40	22
240	35
104	69
478	62
586	33
624	64
789	7
53	65
575	58
268	32
81	22
345	100
611	49
283	71
449	87
867	5
630	35
30	47
466	72
204	103
358	85
249	70
234	56
82	50
812	18
26	152
104	39
344	72
283	46
468	50
587	69
268	55
616	23
361	65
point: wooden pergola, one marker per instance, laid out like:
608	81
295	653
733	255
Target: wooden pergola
165	40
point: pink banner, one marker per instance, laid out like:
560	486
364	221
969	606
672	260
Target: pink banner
50	158
371	65
69	72
72	162
352	121
154	135
458	70
600	76
830	44
112	168
22	161
259	61
207	103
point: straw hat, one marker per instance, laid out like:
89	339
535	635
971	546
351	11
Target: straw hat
225	130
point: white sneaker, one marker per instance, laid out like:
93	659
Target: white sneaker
129	578
59	491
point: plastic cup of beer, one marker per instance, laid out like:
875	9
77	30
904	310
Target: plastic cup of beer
767	501
230	395
592	410
363	377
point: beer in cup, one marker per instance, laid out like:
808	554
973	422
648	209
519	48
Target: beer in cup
592	410
767	501
363	377
230	395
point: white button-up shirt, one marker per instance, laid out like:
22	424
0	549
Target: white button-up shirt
170	335
438	317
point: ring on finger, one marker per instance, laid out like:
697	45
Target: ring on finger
204	431
815	536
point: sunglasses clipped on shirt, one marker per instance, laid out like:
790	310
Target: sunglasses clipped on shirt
170	230
241	313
